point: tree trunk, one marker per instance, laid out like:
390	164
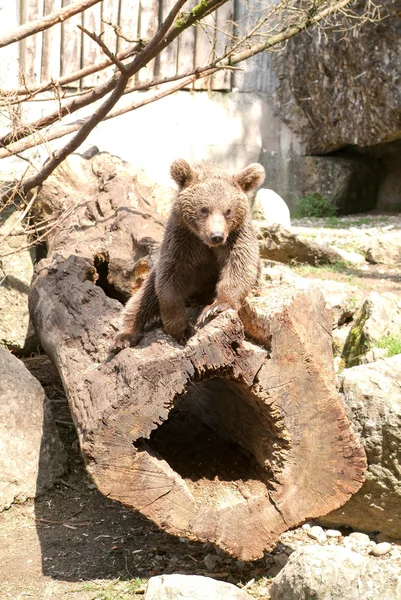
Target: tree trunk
233	438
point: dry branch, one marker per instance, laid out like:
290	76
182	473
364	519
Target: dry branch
46	22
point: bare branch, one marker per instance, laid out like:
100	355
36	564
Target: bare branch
46	22
96	38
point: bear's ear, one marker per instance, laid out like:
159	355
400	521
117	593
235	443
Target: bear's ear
182	173
251	177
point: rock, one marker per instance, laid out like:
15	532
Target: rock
192	587
372	396
329	95
32	456
269	206
361	538
17	269
379	316
279	244
354	258
281	559
317	533
384	250
333	533
211	560
381	549
340	335
325	573
342	299
373	355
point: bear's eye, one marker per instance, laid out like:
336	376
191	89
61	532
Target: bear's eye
228	212
204	211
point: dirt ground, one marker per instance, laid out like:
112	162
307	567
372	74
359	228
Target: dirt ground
73	543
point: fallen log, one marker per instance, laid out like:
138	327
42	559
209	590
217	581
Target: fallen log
233	438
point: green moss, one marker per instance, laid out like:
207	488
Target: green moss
356	344
314	205
392	343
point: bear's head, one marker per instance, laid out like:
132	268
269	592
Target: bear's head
211	202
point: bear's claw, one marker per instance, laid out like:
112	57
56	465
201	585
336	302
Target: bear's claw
124	340
211	311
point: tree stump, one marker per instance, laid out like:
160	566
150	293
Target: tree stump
233	438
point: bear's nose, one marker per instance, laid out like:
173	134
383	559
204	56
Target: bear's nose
217	237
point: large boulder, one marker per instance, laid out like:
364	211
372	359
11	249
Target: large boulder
192	587
32	456
279	244
15	279
328	573
372	396
385	250
269	206
329	92
379	316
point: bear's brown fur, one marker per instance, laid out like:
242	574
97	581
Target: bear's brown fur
209	246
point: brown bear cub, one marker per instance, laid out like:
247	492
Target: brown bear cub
209	247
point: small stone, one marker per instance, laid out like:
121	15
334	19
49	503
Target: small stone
274	570
281	559
333	533
240	564
317	533
306	526
381	549
211	560
362	538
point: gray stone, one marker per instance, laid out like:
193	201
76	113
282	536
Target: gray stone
372	396
329	94
385	250
269	206
333	572
31	456
279	244
191	587
15	278
379	316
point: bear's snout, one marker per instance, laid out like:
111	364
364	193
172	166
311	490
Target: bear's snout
217	237
216	229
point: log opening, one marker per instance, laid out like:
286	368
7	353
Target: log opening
220	440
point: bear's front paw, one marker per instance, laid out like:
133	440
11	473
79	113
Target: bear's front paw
124	340
212	310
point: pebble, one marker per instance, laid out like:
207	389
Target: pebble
333	533
281	559
306	526
274	570
381	549
317	533
211	560
361	538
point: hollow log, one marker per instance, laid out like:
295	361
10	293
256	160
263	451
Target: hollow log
233	438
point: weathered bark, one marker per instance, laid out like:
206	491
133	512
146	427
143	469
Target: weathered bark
233	438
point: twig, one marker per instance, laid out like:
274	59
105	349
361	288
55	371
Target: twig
46	22
96	38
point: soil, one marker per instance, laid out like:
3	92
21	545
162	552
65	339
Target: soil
73	543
